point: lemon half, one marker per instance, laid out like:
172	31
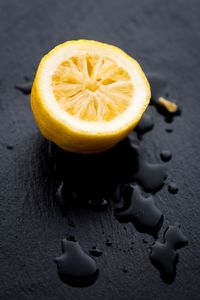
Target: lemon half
87	95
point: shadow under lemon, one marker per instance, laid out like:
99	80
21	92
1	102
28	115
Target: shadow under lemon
84	179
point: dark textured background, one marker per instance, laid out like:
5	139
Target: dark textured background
163	36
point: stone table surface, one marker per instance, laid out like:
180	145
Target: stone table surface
164	37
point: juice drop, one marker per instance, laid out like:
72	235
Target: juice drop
96	252
166	155
164	256
10	147
125	270
169	130
145	124
173	188
25	88
75	267
108	243
150	175
141	211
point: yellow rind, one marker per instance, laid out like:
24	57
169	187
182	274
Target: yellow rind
64	136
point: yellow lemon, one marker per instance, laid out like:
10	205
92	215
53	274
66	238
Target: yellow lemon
87	95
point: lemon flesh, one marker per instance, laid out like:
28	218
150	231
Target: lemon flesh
92	88
87	95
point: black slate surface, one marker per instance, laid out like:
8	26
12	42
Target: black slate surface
164	37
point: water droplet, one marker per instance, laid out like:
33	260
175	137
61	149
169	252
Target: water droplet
10	147
125	270
150	175
25	87
139	210
108	242
169	130
75	267
96	252
173	188
145	124
166	155
164	256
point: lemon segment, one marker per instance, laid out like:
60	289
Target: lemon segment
87	95
92	88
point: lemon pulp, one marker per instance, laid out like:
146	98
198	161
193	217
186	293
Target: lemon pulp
92	88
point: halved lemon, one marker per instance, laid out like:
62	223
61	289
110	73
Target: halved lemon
87	95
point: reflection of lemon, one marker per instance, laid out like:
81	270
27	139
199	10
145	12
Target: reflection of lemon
87	96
